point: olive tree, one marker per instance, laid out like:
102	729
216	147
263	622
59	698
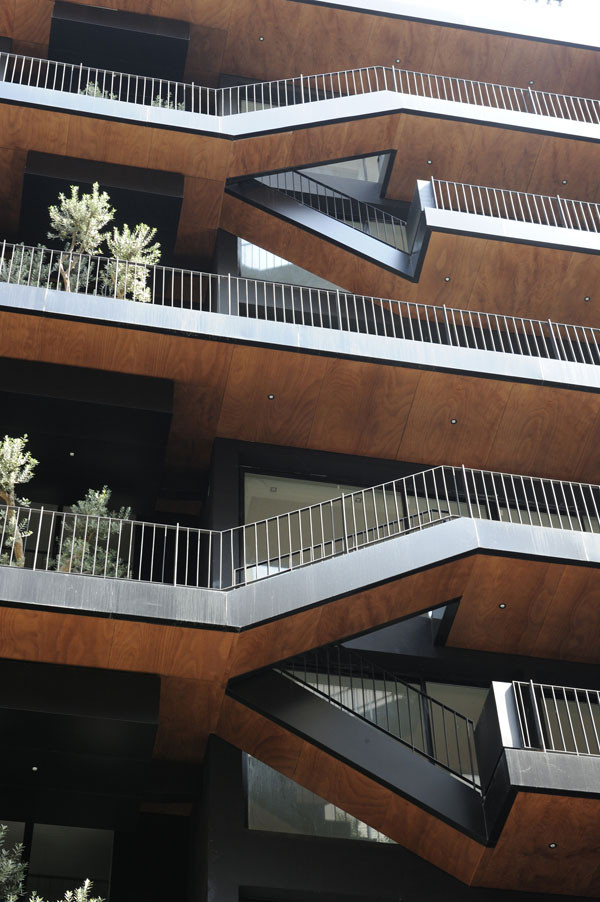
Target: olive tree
12	877
79	222
16	468
92	540
132	252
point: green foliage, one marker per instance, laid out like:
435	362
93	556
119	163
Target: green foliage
94	90
91	537
79	222
130	247
16	468
81	894
26	266
167	102
12	869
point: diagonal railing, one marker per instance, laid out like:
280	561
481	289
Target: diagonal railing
518	206
278	302
302	89
354	684
183	556
355	213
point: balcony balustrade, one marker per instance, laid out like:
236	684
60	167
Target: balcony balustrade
105	547
109	85
207	293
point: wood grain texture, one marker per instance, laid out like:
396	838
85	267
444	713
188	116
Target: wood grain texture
293	42
521	860
552	610
351	791
222	389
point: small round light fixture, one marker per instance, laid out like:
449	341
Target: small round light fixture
429	162
397	61
552	845
71	454
446	278
261	38
502	605
454	421
34	769
531	81
564	181
271	397
587	298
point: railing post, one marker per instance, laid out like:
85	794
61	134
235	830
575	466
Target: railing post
536	714
532	101
344	525
560	212
467	495
553	341
176	554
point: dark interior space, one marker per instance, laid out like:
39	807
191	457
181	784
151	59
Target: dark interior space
138	195
118	40
88	429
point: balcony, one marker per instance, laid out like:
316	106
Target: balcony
477	231
432	530
513	797
418	114
324	347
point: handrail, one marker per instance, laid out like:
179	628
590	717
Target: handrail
558	718
182	556
519	206
201	292
355	213
302	89
352	683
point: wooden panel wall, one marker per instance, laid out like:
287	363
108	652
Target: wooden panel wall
222	390
293	42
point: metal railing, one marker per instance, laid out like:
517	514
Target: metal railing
558	718
520	206
298	305
184	556
351	682
346	209
148	91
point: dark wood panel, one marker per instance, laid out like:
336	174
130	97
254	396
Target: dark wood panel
522	859
222	390
351	791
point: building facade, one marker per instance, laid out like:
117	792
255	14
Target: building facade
335	636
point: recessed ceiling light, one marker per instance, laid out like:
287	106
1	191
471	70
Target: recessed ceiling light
587	298
454	421
446	278
34	769
429	162
71	454
552	845
532	82
502	605
271	397
272	488
564	181
397	61
261	38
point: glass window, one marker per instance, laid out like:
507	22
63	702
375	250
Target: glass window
63	857
257	263
364	169
315	530
278	804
